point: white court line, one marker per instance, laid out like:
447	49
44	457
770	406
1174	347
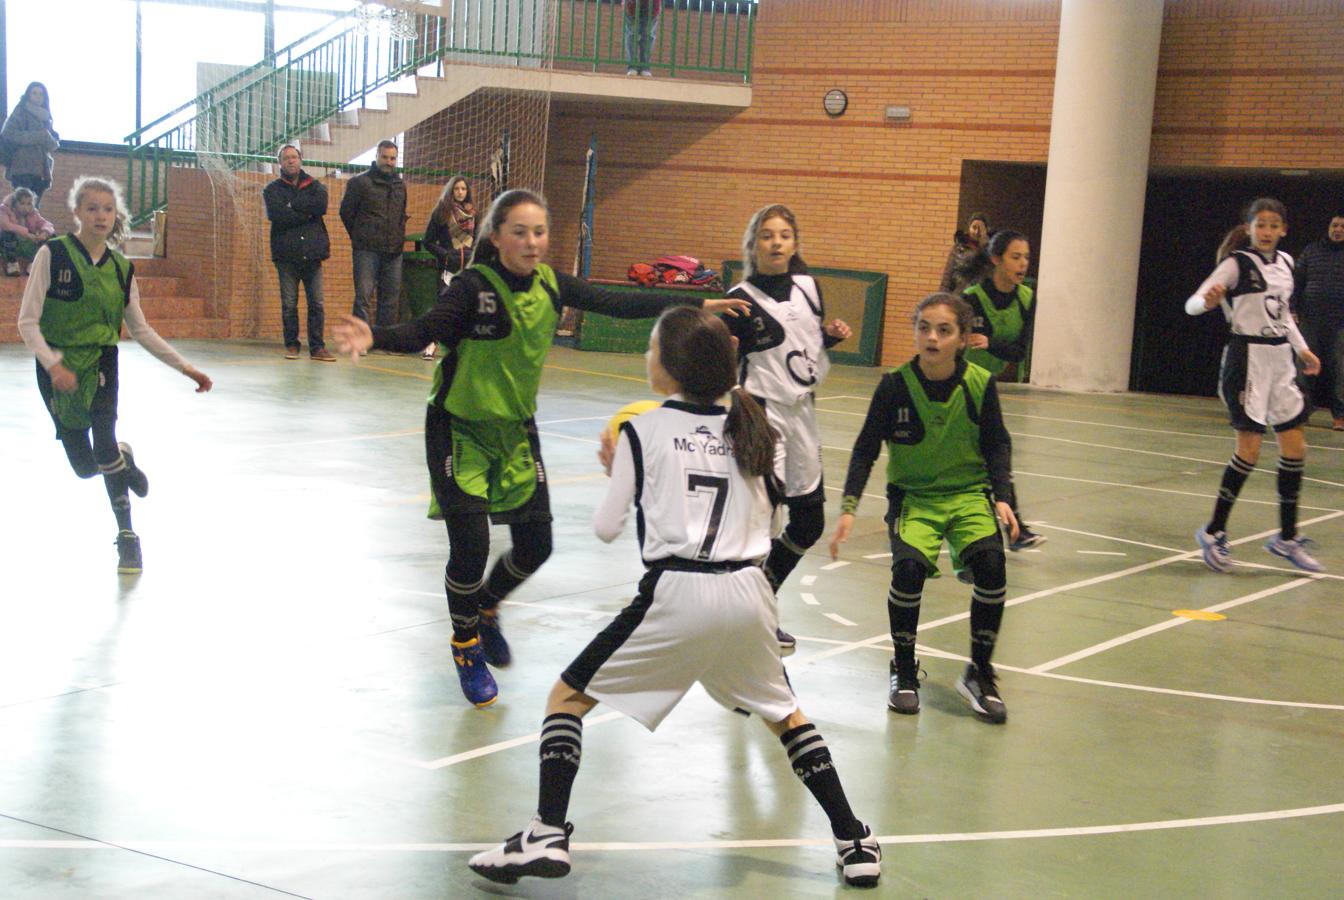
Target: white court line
1158	490
1102	553
838	564
1198	459
547	605
1197	434
444	761
579	419
810	599
886	555
1108	537
1173	622
271	847
809	580
836	617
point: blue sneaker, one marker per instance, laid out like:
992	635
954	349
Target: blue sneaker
478	685
1295	551
1214	548
493	645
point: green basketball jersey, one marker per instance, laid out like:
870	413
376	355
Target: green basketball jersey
946	457
497	375
85	302
1004	324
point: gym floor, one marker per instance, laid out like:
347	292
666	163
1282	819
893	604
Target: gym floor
271	708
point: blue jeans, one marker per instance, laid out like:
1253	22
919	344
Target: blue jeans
640	30
310	274
374	268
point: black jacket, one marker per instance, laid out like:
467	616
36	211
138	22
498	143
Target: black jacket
374	211
298	234
1318	290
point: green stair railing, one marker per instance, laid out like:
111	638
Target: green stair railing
336	67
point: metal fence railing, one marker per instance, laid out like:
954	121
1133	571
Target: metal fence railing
339	65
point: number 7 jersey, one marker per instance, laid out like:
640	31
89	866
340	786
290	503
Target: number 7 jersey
691	500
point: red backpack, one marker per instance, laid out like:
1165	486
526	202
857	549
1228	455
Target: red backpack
642	274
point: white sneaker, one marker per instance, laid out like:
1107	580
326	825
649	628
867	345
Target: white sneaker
631	71
1214	548
539	850
860	860
1295	551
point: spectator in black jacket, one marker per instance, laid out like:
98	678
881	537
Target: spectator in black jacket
295	204
374	213
1318	303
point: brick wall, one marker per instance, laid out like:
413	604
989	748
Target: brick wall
979	78
220	230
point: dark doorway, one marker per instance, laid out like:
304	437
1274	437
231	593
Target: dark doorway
1186	214
1185	217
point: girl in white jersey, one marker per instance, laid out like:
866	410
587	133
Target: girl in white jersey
696	473
1258	378
781	346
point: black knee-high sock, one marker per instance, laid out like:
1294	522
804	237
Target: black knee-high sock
806	523
114	479
462	606
989	571
903	599
561	749
811	761
1234	476
1290	486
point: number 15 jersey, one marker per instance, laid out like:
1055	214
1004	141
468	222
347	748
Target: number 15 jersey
691	500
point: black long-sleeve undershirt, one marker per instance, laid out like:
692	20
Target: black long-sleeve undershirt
1008	351
892	394
450	320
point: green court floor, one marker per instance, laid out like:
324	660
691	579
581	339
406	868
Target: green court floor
270	709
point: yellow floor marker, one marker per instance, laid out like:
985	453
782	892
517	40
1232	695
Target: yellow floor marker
1199	615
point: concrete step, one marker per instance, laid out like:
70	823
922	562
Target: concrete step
150	285
171	316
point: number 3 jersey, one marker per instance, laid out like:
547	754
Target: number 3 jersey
1258	290
691	500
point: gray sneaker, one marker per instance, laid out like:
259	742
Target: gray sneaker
904	695
977	685
1295	551
539	850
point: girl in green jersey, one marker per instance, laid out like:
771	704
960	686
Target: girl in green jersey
949	464
496	320
79	293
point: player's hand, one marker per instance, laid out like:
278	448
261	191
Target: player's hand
729	305
842	529
1214	295
838	329
1009	520
352	335
606	452
62	379
1311	363
978	342
203	382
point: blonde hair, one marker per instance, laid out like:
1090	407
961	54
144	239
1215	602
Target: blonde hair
121	227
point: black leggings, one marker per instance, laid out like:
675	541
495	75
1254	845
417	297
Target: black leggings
464	583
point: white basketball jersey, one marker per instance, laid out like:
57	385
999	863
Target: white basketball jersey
691	499
793	360
1257	293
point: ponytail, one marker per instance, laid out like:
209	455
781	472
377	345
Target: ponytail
751	435
1239	238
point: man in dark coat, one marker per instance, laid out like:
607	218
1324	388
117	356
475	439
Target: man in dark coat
295	204
374	212
1318	303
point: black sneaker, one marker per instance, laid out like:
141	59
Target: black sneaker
493	645
976	684
136	480
904	695
539	850
859	860
1026	538
129	561
786	640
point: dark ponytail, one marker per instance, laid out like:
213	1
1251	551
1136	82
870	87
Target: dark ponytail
696	350
1239	238
980	265
485	250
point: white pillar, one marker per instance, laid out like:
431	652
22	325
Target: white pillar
1100	127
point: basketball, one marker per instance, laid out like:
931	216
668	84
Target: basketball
628	412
